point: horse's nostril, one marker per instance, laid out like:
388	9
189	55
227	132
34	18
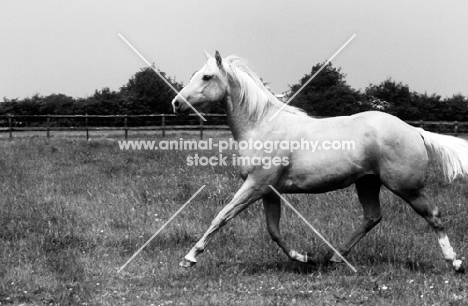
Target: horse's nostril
176	103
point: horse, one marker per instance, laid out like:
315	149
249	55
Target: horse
387	152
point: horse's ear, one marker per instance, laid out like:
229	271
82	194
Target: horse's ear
219	60
207	55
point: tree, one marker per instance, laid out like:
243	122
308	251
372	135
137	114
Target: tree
459	106
147	93
327	94
104	102
56	104
402	102
431	108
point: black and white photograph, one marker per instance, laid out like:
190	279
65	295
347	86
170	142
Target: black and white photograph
233	152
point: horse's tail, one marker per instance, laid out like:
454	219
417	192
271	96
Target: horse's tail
450	152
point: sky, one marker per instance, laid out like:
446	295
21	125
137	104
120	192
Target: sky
73	47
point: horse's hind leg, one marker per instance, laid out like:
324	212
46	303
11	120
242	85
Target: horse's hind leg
423	206
368	189
272	208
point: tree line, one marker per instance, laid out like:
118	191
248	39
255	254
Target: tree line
328	94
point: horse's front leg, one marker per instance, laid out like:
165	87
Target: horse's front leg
247	194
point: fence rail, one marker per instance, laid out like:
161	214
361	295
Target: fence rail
157	122
87	123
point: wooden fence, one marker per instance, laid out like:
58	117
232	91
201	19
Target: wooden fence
161	122
87	123
450	127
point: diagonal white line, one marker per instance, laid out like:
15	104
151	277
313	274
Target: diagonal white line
312	77
313	228
160	75
160	229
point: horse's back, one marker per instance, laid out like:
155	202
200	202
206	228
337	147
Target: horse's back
347	148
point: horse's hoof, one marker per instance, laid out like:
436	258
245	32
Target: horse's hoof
333	262
333	265
458	266
187	263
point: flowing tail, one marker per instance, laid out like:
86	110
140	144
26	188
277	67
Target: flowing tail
450	152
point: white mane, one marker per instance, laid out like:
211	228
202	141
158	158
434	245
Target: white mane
257	99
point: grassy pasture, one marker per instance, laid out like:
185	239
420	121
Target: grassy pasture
72	212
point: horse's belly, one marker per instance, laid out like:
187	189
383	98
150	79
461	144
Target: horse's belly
322	173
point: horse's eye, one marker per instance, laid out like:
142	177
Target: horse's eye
207	77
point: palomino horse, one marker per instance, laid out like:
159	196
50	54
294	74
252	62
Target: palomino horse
387	151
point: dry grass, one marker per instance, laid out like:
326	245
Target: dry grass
72	212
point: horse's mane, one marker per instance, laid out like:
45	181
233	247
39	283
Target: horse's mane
257	99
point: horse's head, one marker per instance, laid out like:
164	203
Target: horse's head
208	85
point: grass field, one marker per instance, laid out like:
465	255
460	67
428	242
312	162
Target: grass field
72	212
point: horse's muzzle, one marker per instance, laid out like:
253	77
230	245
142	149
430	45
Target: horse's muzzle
176	106
180	106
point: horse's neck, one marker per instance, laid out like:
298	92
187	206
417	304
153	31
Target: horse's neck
236	117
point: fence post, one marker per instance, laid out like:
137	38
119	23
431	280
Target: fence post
201	128
455	128
163	125
10	119
126	127
48	126
421	124
86	126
